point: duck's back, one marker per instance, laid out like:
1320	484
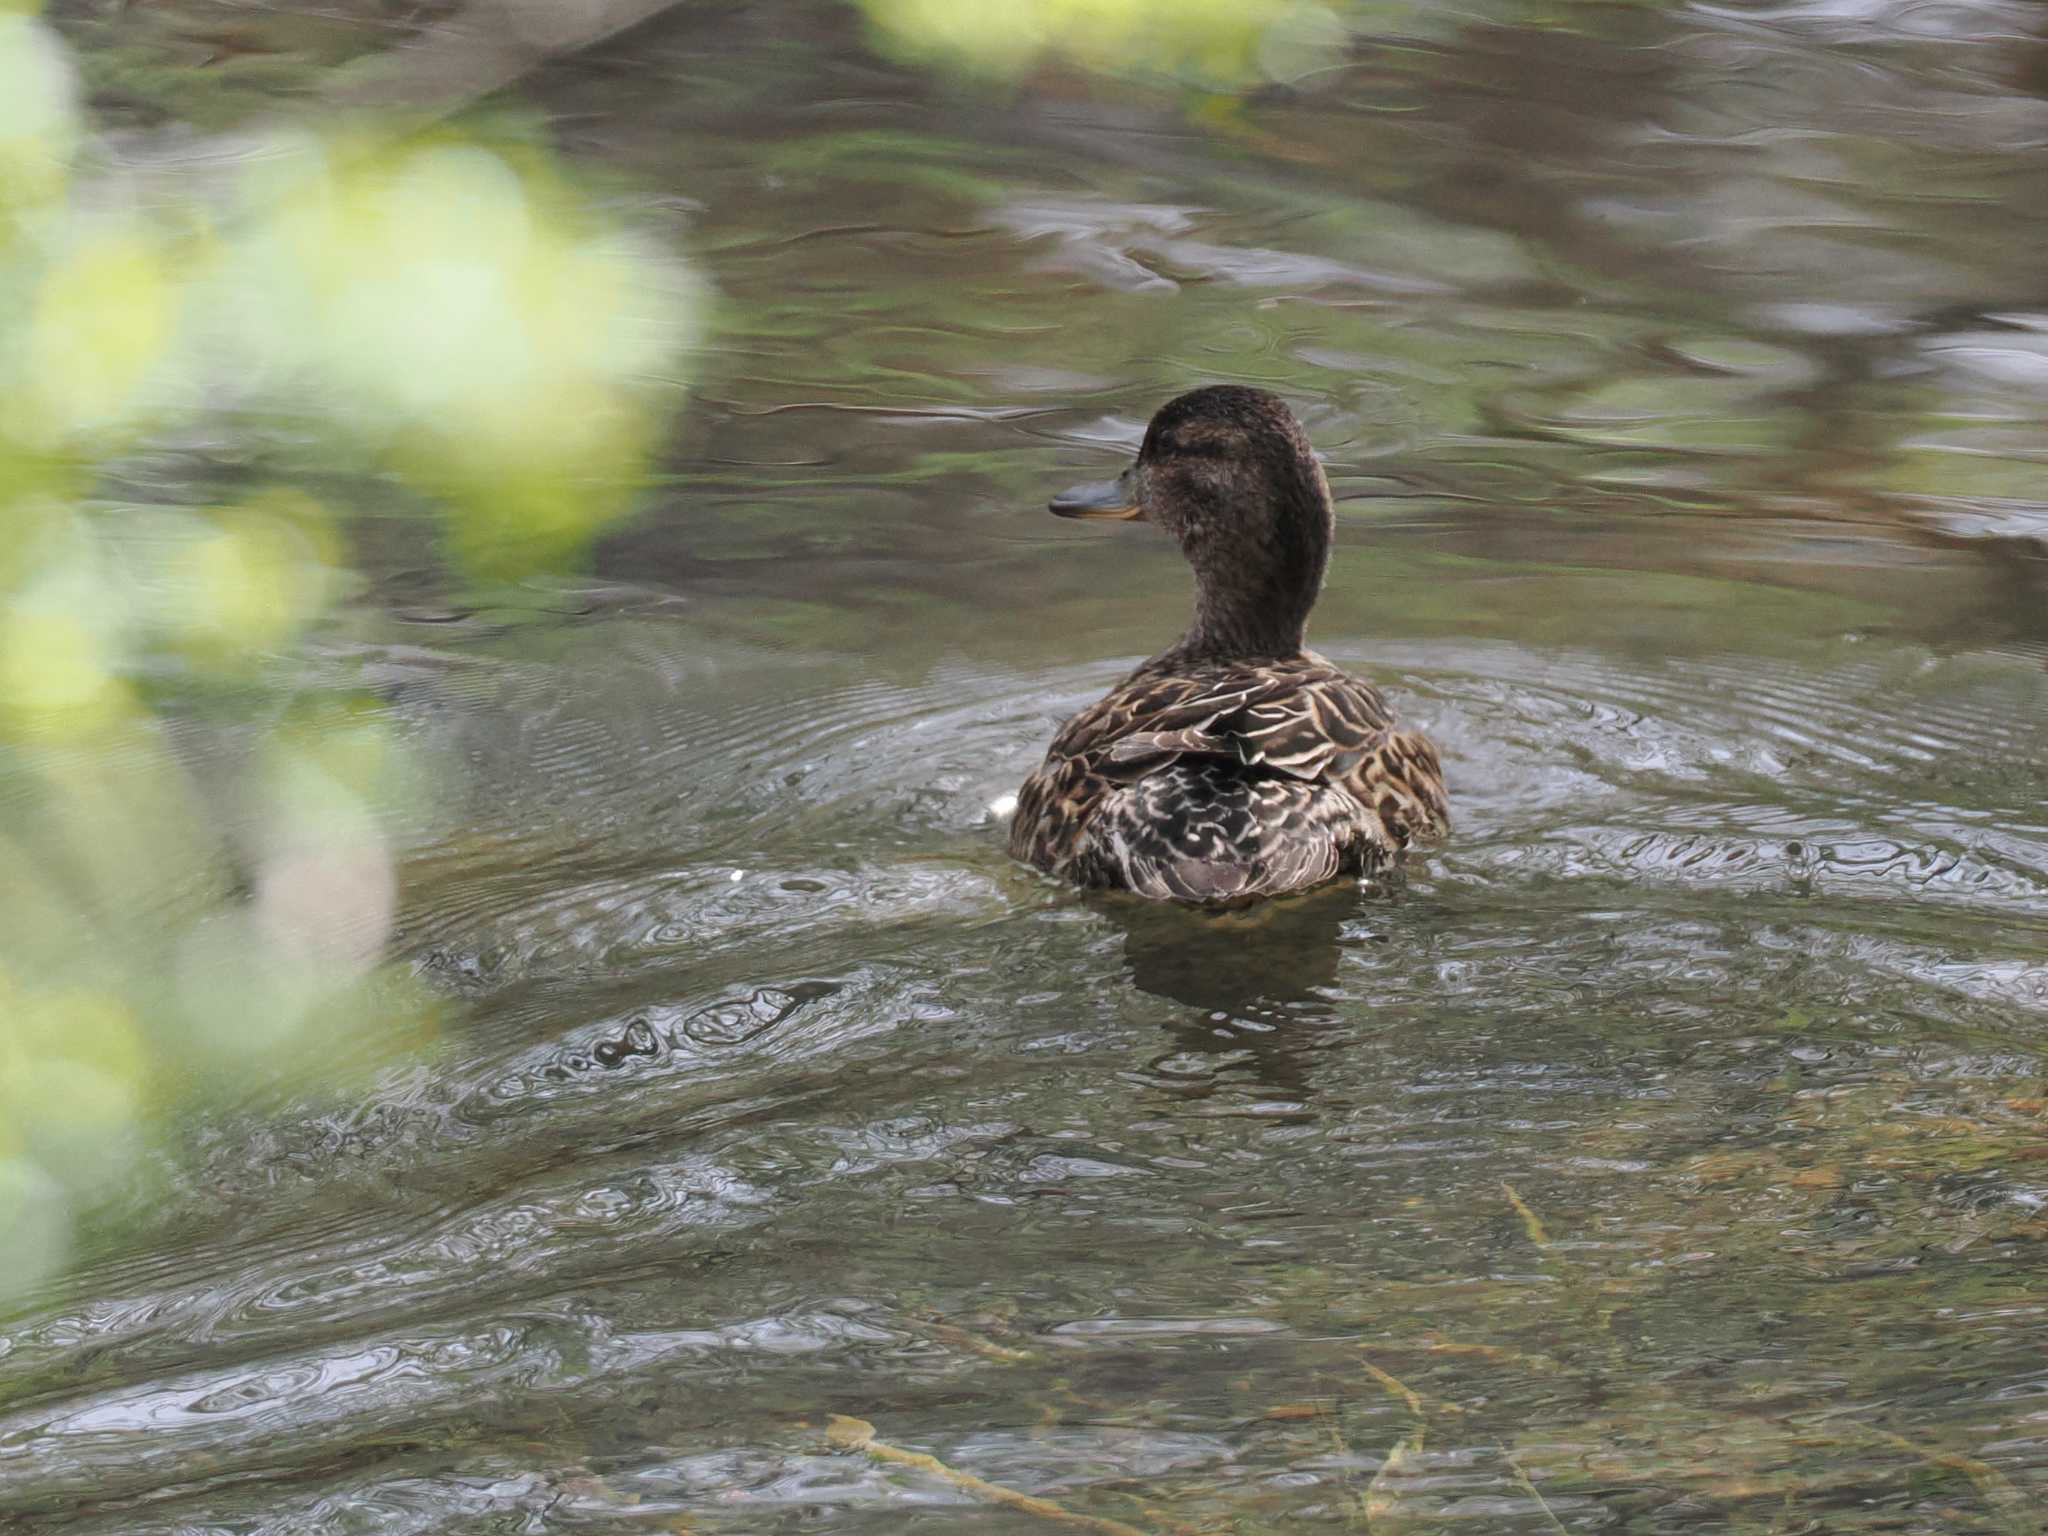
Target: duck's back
1228	780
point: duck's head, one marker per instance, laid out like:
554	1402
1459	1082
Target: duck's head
1229	473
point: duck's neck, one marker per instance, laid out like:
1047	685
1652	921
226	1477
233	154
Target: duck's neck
1246	623
1252	601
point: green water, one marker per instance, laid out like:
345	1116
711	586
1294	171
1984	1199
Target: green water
1667	1153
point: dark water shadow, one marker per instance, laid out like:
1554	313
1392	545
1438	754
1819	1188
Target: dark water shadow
1260	982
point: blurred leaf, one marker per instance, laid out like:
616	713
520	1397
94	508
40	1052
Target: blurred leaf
247	579
38	121
35	1222
60	639
74	1070
445	303
449	310
1219	44
102	320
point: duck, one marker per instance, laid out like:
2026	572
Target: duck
1236	764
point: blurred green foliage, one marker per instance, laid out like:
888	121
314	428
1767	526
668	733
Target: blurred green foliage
1216	44
433	315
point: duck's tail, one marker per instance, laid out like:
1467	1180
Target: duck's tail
1212	832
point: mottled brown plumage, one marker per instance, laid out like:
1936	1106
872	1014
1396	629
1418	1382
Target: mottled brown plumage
1235	763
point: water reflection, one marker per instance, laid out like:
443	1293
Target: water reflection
1248	962
1257	987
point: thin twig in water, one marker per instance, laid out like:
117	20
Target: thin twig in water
1397	1388
948	1333
859	1435
1542	1503
1436	1343
1335	1427
1531	1222
1379	1502
1992	1485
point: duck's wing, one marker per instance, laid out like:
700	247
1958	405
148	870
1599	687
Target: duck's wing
1402	780
1312	723
1304	725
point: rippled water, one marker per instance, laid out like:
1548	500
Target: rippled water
1668	1153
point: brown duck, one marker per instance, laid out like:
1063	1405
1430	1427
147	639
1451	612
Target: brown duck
1234	764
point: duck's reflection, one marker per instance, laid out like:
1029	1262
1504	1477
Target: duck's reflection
1260	984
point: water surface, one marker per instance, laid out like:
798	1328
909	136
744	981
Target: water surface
1667	1153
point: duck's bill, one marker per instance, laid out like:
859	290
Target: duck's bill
1116	498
